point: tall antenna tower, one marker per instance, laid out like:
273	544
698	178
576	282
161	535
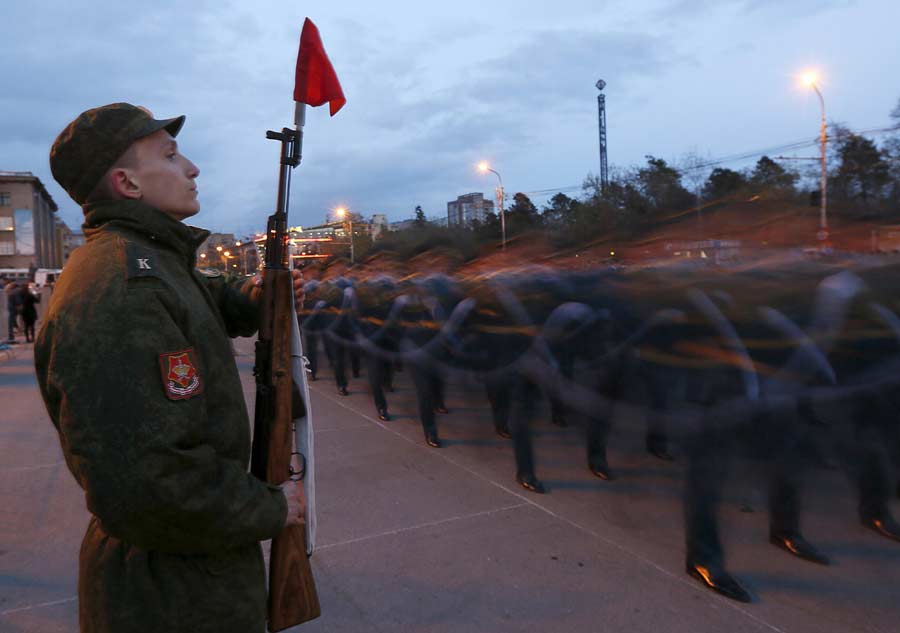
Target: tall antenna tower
601	116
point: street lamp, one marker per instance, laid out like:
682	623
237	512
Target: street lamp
484	168
811	81
342	213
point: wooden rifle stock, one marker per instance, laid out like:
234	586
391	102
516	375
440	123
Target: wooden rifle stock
292	589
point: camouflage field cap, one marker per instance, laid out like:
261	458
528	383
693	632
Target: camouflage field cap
95	140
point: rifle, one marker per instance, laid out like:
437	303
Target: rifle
279	368
292	588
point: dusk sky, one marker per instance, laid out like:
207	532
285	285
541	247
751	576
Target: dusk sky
432	88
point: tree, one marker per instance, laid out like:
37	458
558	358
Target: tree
723	182
559	209
769	175
420	216
522	215
864	170
661	184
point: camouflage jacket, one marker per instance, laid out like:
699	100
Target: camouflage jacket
136	369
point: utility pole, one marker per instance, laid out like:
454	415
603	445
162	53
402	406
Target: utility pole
601	116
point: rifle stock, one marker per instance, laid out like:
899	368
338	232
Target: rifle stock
292	589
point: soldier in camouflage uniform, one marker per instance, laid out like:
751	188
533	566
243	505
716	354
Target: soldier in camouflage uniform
136	370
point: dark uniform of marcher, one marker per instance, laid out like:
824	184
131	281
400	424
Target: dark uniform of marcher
136	369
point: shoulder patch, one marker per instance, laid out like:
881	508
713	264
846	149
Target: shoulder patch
140	261
179	374
209	272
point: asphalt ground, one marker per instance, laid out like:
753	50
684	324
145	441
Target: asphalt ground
412	538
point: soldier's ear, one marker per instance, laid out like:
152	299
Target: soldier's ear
123	183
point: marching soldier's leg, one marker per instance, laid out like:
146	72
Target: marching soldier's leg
866	456
387	370
498	393
422	380
524	395
872	480
784	498
437	390
706	468
336	354
354	361
657	440
557	404
609	384
375	375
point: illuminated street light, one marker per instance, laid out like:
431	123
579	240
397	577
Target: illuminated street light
810	80
484	167
342	213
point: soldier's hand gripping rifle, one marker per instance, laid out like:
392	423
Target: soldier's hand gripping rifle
282	404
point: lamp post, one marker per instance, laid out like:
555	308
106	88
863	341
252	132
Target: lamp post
342	213
810	80
483	167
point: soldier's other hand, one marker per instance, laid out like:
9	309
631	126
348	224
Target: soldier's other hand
296	501
297	278
297	281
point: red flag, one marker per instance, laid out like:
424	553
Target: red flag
316	81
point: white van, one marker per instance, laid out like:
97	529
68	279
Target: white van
44	276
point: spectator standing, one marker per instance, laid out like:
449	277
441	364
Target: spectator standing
28	299
13	308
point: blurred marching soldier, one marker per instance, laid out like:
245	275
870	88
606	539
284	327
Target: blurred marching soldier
379	306
336	291
863	410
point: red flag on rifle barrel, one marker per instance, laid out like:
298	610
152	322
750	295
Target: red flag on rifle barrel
316	81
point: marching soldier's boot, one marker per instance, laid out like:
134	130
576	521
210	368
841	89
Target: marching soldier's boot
716	578
885	525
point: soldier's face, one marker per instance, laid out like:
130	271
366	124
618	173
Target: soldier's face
165	177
